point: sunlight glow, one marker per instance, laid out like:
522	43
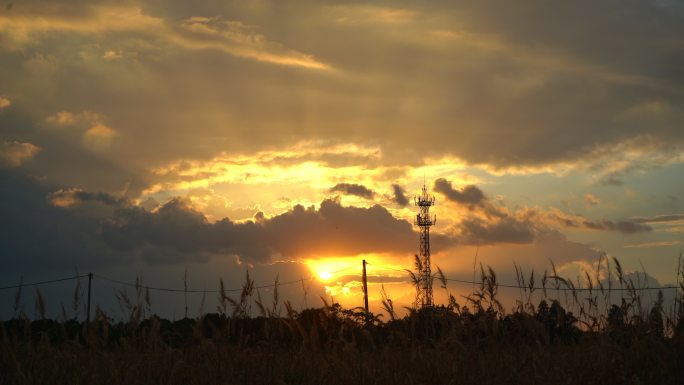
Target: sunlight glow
334	270
328	268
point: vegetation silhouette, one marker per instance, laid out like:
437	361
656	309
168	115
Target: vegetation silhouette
474	342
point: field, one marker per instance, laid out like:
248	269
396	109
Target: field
473	342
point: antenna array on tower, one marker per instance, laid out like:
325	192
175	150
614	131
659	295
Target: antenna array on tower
424	220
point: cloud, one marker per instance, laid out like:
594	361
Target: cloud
14	153
528	100
369	14
66	118
353	189
69	197
99	136
624	226
4	103
331	230
112	55
591	200
111	230
293	164
95	134
504	230
74	119
664	222
399	195
37	235
661	218
34	24
239	39
653	244
242	118
469	195
556	217
489	222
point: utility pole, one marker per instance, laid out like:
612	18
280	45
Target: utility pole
365	306
365	289
90	284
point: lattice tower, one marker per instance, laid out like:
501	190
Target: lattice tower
424	220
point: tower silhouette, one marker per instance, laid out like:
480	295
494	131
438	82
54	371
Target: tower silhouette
424	221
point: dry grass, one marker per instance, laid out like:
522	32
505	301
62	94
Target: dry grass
587	339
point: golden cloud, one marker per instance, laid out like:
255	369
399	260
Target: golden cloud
4	102
99	136
14	153
653	244
197	33
96	135
370	14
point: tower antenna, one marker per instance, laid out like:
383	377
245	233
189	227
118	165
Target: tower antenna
424	220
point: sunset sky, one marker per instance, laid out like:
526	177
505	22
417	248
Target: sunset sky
289	138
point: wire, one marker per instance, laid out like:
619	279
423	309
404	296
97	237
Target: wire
387	267
198	291
43	282
510	286
157	288
564	288
300	280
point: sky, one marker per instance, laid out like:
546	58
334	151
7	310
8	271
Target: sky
288	138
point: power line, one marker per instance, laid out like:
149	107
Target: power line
311	277
163	288
174	290
156	288
198	291
565	288
404	271
511	286
43	282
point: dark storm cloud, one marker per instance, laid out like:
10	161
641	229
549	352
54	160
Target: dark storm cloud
630	226
37	235
627	227
353	189
530	226
505	230
178	227
469	195
337	230
58	154
332	229
399	195
661	218
45	227
70	196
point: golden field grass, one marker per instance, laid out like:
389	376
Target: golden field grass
473	342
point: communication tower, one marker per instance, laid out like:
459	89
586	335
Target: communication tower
424	220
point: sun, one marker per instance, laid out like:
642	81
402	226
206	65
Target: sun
326	269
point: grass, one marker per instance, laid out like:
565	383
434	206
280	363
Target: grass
578	337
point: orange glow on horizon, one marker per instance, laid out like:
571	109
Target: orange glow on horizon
325	269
